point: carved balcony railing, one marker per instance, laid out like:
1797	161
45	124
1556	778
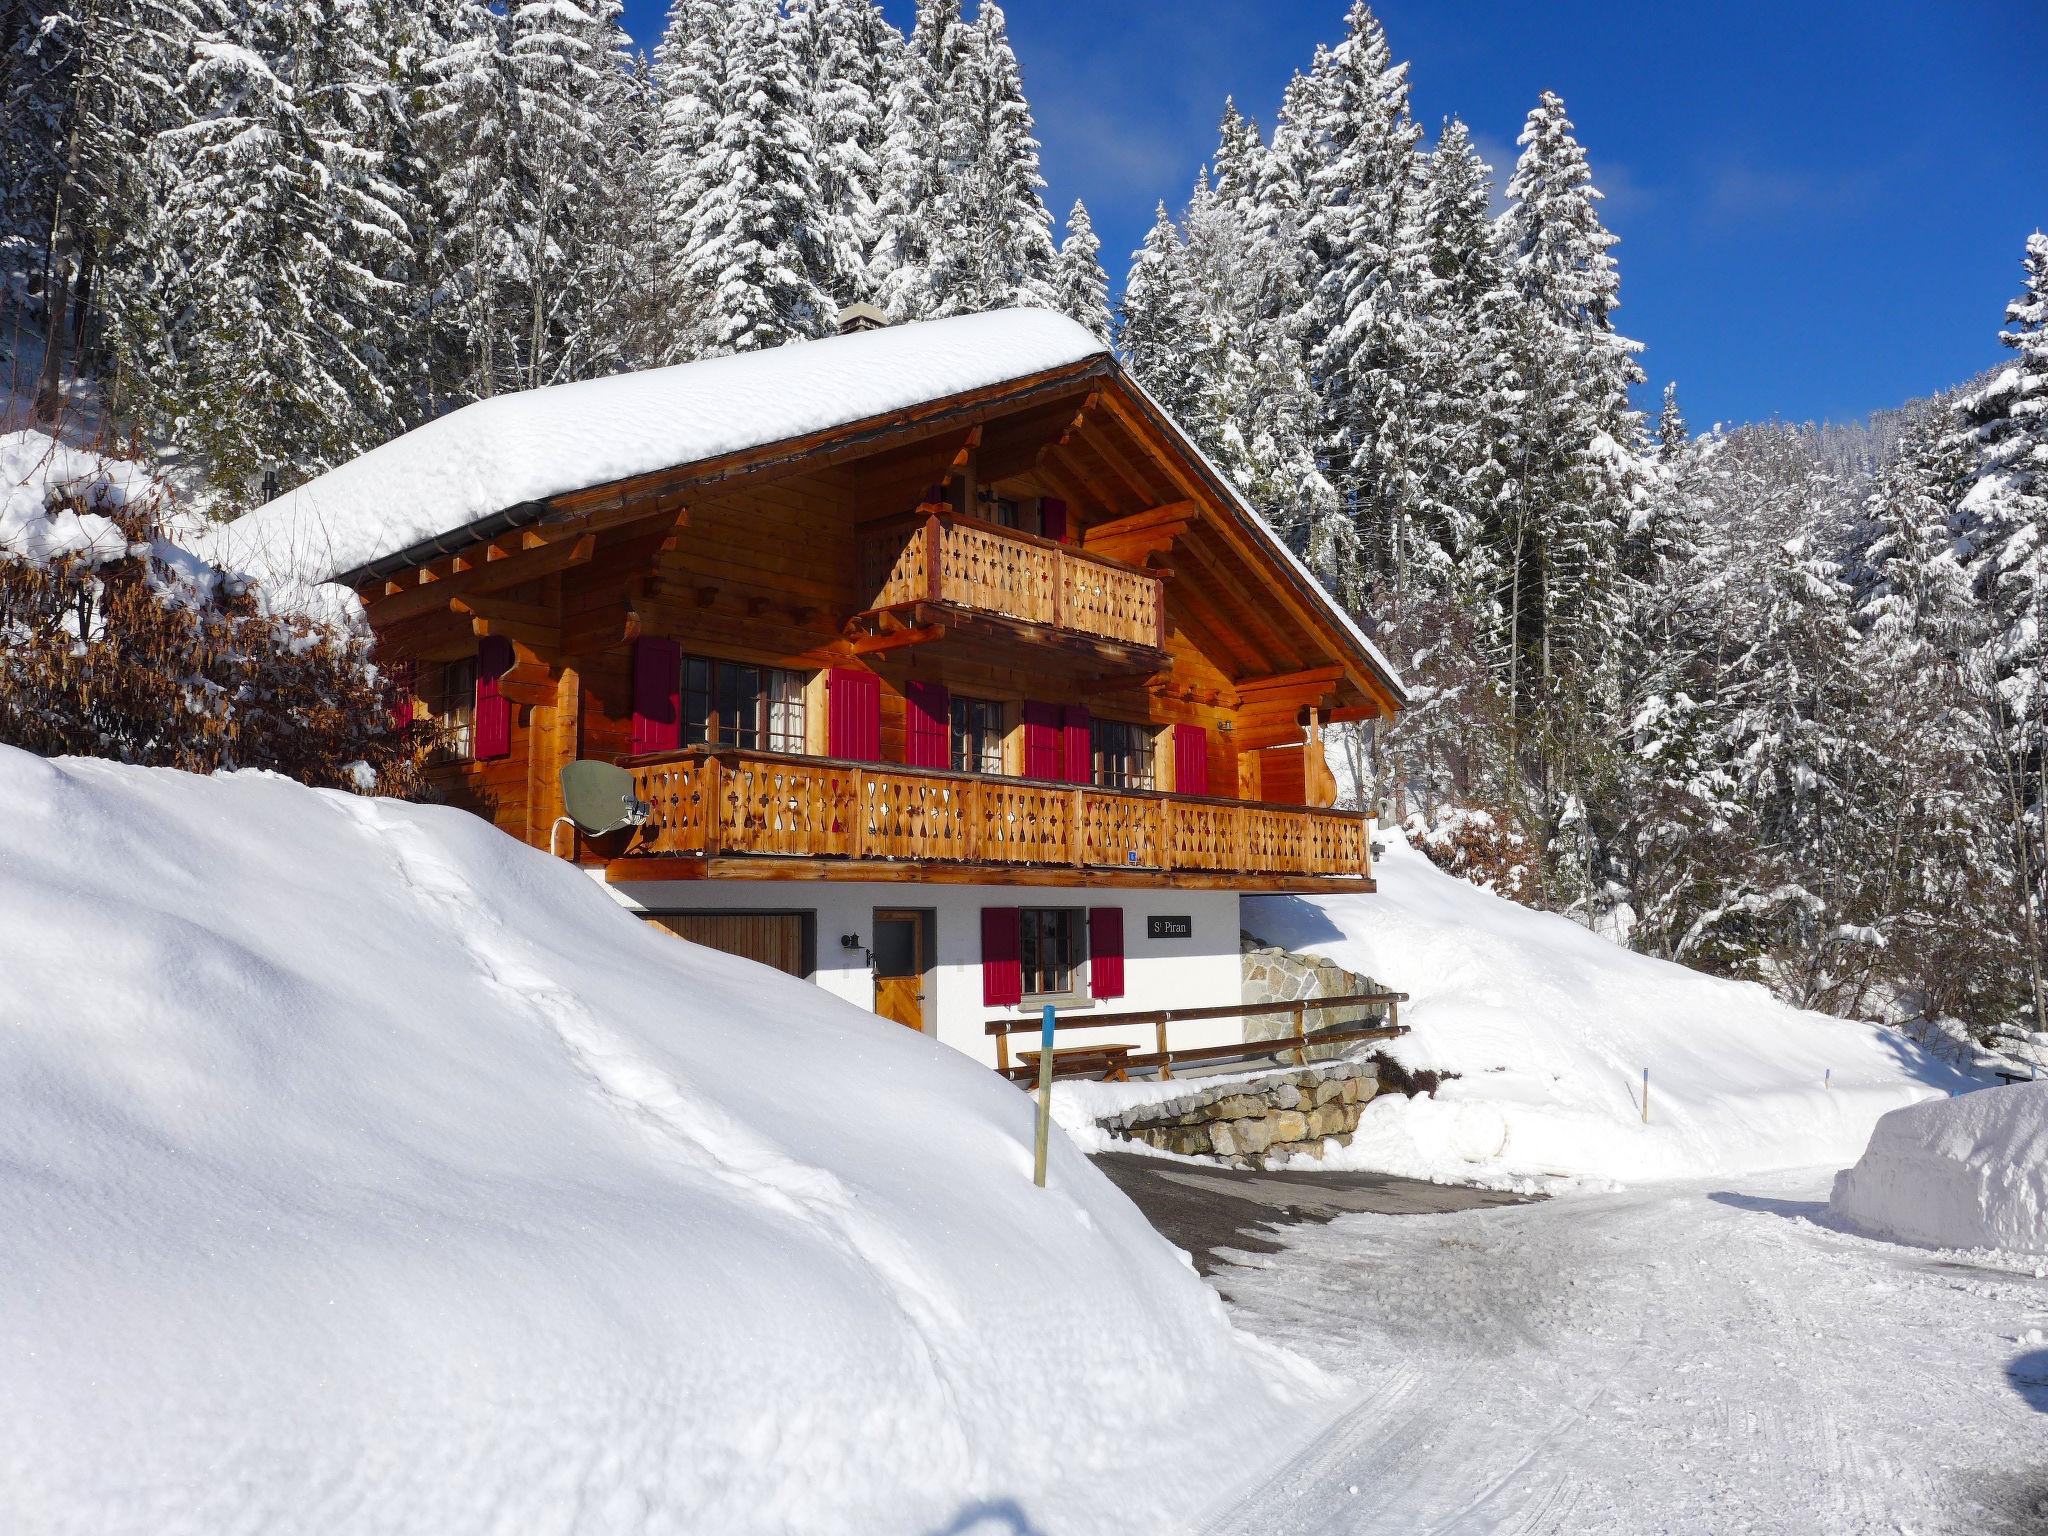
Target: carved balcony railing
721	802
937	558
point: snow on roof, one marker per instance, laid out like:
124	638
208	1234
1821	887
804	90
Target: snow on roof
511	449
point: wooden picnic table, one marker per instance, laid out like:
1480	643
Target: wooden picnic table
1110	1058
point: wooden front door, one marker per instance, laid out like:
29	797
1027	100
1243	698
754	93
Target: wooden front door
899	961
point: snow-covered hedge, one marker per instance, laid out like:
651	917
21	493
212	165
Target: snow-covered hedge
116	641
1968	1172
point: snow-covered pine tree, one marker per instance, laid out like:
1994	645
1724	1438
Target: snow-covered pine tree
1156	328
924	151
1581	478
998	250
1800	751
88	85
1940	885
691	65
279	222
757	255
2002	517
846	53
1672	433
1078	278
469	125
1363	140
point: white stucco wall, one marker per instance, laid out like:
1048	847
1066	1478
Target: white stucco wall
1197	972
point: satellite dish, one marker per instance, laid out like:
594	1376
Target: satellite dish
599	798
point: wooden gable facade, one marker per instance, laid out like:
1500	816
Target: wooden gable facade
1021	635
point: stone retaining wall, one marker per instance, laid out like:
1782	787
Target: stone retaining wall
1249	1121
1274	975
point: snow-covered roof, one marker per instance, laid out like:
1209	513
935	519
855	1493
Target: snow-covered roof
513	449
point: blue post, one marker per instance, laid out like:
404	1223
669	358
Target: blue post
1044	1096
1646	1095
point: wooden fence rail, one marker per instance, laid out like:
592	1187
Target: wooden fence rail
1298	1040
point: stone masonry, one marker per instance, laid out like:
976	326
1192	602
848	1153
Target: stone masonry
1251	1121
1273	975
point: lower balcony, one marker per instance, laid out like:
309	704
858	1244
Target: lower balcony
726	814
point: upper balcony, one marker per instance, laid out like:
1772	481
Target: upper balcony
932	571
726	813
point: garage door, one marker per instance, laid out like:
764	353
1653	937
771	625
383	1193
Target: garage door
780	939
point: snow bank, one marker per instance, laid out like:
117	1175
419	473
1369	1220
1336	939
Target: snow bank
1550	1028
363	1169
510	449
1970	1172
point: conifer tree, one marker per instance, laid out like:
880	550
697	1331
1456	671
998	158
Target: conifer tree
1078	278
757	255
998	249
925	149
846	54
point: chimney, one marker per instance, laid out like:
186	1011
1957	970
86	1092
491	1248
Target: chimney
861	317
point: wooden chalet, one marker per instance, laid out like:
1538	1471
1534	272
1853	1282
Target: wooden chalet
1019	634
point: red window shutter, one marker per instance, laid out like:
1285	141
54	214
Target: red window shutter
404	685
1052	519
1190	760
1042	754
1077	754
853	717
1002	967
927	725
493	709
657	700
1106	951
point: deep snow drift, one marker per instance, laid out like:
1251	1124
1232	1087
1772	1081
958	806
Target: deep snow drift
1550	1028
1963	1173
363	1169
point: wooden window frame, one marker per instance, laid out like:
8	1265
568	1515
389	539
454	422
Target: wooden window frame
452	709
711	689
1067	929
1125	753
990	735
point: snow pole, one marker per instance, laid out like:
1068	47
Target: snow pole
1827	1078
1044	1098
1646	1095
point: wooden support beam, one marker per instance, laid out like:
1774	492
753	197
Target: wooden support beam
493	575
870	645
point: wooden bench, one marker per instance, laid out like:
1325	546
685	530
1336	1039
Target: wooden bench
1071	1060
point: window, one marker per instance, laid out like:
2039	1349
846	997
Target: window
1123	755
733	704
1000	510
453	707
1049	945
977	736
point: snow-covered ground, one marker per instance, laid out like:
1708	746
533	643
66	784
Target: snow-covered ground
1962	1173
1550	1029
364	1170
1694	1360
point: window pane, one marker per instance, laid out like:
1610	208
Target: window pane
977	736
696	701
454	710
1123	754
785	710
1050	949
739	704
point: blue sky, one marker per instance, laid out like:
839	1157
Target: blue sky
1821	205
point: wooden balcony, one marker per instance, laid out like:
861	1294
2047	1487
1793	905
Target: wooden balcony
721	814
931	572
